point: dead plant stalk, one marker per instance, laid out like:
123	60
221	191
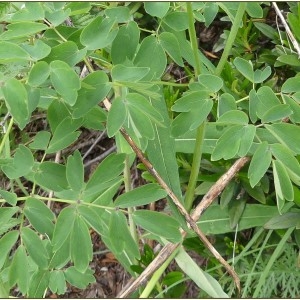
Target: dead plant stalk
190	219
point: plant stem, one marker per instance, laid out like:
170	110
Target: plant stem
232	35
189	196
127	183
157	274
193	38
197	155
6	135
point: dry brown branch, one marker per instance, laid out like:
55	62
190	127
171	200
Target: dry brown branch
168	249
190	222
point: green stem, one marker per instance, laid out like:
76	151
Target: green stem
127	183
193	38
6	135
197	155
157	274
231	38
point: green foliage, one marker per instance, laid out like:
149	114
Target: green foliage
61	62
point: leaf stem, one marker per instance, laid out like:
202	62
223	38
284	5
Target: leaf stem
197	154
157	274
6	135
193	38
231	38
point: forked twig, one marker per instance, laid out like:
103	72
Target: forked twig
167	250
190	221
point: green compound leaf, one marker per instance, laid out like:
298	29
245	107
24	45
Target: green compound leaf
215	220
59	71
187	121
35	247
159	224
288	220
41	140
32	11
81	245
64	134
38	74
6	243
129	35
99	33
141	196
116	116
235	211
56	14
19	270
124	73
211	83
22	29
189	101
57	282
235	140
245	68
119	235
40	216
144	107
177	20
109	169
138	124
157	9
234	117
51	176
171	45
283	185
67	52
9	197
37	50
16	100
75	171
286	157
276	113
78	279
287	134
262	75
119	13
151	55
62	256
22	163
94	89
291	85
63	227
254	10
39	283
259	163
10	52
294	106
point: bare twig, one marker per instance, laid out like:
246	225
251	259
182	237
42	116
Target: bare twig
287	29
94	144
218	187
166	251
100	157
190	222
